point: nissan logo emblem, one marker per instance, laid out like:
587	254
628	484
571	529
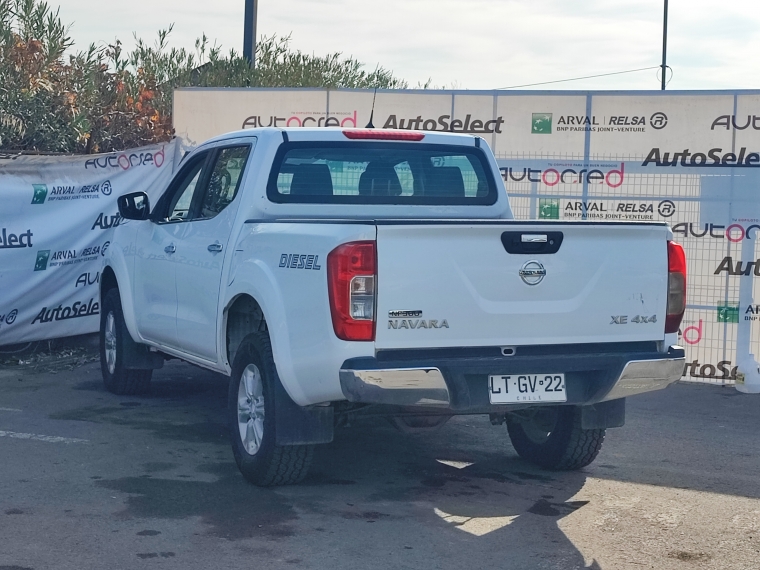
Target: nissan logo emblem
532	272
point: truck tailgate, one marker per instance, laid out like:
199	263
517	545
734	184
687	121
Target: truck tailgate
445	284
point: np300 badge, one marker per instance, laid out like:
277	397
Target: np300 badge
532	272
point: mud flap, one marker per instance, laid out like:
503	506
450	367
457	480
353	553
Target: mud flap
298	425
138	356
603	415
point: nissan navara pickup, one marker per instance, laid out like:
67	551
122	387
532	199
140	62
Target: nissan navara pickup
332	272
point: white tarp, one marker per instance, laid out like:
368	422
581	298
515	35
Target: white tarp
691	158
56	220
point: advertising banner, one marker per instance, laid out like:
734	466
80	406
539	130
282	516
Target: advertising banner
57	215
689	158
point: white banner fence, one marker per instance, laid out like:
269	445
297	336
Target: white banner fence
57	214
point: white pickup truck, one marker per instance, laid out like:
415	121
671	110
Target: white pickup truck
332	272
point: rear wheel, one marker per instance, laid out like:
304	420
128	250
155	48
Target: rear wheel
252	412
553	438
113	338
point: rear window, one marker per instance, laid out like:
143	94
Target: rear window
380	173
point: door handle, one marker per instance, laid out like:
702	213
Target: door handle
215	247
170	248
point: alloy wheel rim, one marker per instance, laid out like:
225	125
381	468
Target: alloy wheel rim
251	409
110	342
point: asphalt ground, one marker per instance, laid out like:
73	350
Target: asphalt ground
93	480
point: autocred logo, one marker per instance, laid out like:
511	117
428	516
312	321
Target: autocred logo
125	161
86	279
734	233
568	173
302	119
74	311
541	123
9	318
729	122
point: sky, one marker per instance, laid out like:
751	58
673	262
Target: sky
470	44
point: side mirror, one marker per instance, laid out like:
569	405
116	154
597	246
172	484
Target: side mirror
134	206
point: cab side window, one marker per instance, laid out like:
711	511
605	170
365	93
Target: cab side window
184	191
224	182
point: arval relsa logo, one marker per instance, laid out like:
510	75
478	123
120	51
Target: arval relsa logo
541	124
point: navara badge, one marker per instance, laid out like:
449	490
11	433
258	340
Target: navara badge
532	272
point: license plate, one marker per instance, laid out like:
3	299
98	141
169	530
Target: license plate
513	388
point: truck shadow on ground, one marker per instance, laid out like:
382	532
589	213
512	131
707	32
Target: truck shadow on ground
457	493
453	495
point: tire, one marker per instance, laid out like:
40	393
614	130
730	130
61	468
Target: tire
113	338
251	410
554	439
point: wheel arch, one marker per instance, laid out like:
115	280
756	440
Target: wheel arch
243	315
110	280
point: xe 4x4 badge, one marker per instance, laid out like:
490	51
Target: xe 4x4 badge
623	319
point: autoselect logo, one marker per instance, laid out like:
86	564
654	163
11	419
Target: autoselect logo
63	312
9	240
104	221
721	371
541	123
446	123
715	157
568	173
738	268
125	161
70	192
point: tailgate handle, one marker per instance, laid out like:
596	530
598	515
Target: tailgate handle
532	243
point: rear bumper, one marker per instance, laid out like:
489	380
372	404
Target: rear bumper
459	381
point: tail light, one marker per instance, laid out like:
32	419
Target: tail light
351	279
676	287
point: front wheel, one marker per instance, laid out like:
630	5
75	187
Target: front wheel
553	438
251	411
113	338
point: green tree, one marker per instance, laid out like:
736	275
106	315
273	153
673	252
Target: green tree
104	99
